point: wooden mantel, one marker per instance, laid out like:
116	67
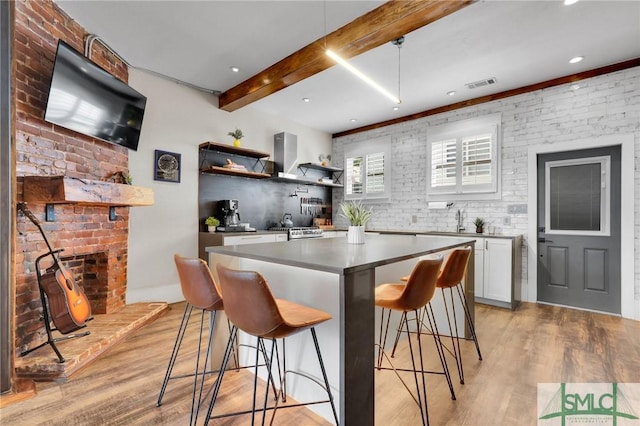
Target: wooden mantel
62	189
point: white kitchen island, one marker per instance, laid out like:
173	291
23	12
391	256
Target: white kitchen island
339	278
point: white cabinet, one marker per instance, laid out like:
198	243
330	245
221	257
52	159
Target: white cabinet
207	239
251	239
479	268
497	271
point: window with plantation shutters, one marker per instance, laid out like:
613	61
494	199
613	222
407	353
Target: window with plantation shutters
476	160
375	173
443	163
367	169
463	160
353	173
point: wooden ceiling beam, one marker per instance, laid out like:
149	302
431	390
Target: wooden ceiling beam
631	63
391	20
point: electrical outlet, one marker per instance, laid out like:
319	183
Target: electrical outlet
507	220
414	219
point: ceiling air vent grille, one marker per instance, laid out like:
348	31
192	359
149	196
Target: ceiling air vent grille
480	83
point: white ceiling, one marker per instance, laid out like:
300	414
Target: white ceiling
517	42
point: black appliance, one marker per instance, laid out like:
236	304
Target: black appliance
230	217
85	98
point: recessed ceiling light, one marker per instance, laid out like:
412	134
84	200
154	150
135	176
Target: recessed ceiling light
570	2
353	120
451	93
234	69
395	108
576	59
306	99
574	86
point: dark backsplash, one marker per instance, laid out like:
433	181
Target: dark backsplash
261	202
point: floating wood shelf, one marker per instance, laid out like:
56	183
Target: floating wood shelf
320	167
229	149
231	172
307	181
62	189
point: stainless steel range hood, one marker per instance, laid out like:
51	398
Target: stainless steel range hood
285	154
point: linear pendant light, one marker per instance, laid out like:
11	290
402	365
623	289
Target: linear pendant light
362	76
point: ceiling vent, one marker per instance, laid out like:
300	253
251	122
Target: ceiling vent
481	83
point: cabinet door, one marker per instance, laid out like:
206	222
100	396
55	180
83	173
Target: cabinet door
497	269
249	239
479	268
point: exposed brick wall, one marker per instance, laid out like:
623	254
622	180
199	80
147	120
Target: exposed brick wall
604	105
46	149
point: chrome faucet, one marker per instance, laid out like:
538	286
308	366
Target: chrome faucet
459	217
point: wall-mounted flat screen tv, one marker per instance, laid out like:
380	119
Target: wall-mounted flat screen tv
85	98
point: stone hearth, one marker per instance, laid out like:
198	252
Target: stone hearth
106	331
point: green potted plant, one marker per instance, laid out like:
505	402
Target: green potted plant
479	223
236	135
358	215
212	223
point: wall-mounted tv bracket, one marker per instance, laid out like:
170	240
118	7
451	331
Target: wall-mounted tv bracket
49	213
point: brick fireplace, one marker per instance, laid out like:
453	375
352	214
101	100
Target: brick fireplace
95	248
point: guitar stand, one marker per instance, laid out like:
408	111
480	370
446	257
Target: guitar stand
47	319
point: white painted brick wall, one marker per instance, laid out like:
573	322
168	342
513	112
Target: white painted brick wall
604	105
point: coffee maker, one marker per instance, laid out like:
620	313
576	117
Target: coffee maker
230	215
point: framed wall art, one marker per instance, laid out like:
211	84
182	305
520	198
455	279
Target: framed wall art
167	166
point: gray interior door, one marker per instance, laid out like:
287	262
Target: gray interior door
579	228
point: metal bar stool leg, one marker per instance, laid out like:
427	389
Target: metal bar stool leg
186	316
223	367
382	342
269	364
398	332
472	328
453	333
324	374
422	396
195	408
269	360
440	348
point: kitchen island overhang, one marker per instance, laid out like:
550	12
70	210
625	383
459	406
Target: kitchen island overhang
340	278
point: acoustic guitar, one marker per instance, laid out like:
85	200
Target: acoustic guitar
68	304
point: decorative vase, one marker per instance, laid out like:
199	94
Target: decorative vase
479	229
355	235
236	143
212	228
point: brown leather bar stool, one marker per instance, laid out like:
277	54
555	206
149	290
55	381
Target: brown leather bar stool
252	308
413	297
451	276
200	291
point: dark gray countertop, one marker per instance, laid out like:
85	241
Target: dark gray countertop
443	233
337	256
257	232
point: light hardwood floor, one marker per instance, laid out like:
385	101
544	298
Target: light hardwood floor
535	344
